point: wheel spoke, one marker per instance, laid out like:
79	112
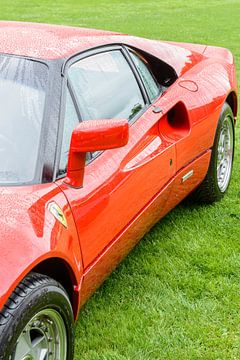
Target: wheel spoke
39	353
43	355
39	348
24	346
39	341
221	139
219	171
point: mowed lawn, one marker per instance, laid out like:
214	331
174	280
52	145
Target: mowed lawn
177	295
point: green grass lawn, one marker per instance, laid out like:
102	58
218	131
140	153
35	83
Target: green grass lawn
177	295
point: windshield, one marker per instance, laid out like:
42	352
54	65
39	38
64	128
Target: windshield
22	96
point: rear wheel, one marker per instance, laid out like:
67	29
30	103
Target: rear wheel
37	322
219	172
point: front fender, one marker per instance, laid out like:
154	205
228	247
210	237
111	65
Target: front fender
31	234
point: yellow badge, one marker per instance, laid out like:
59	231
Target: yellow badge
57	212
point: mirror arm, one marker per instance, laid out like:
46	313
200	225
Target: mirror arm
76	163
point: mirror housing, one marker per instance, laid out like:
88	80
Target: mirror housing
93	135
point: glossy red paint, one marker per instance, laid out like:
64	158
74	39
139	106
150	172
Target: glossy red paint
30	235
166	199
93	135
124	191
44	41
97	135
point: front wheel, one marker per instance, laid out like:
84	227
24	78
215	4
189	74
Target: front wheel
37	322
219	172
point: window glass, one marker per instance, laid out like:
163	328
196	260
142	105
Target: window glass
23	86
106	87
70	122
149	82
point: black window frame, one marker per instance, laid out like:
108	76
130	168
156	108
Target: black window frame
67	85
41	160
130	50
105	49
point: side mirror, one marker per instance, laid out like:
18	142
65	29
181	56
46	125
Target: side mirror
93	135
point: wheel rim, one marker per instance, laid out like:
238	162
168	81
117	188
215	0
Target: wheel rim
43	338
225	154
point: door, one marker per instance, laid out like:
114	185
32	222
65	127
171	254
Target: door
118	183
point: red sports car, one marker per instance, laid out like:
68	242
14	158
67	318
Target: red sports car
101	135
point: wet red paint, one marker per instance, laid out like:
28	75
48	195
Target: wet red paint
46	41
124	191
92	136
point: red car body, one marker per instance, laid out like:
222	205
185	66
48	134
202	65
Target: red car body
124	191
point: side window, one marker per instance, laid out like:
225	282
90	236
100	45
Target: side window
150	83
106	87
70	122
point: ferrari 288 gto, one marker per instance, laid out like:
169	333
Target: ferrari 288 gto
101	135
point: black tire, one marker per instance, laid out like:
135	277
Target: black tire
209	191
34	295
